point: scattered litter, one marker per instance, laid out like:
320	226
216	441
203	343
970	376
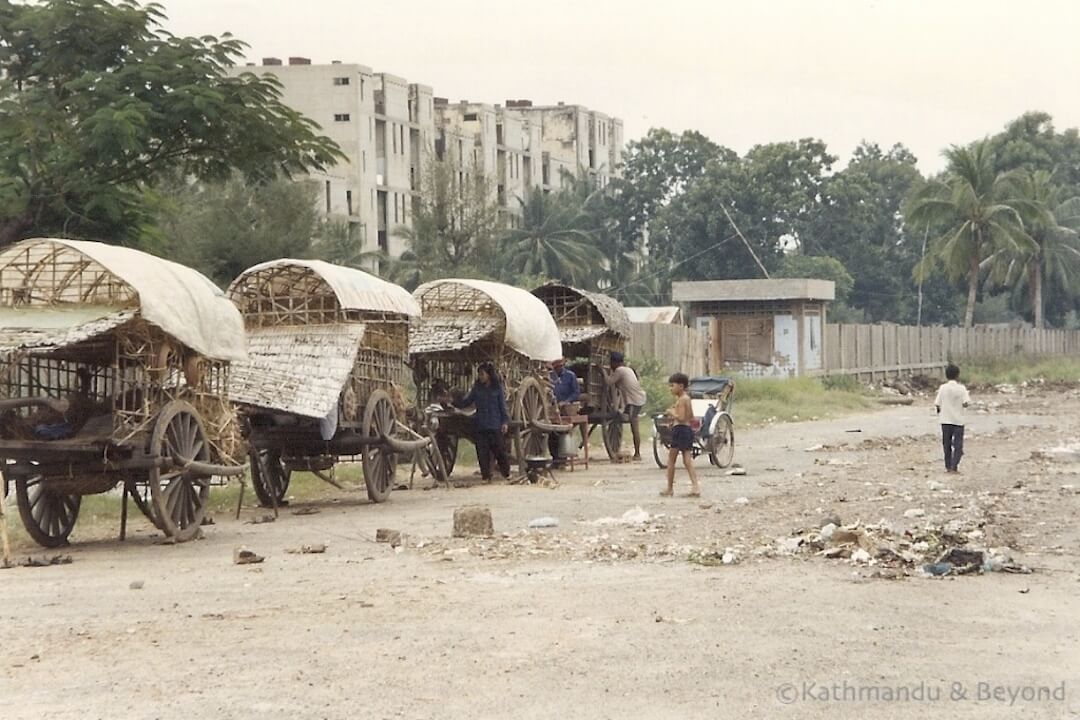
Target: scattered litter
243	556
914	513
815	448
544	522
675	621
828	531
860	556
307	550
46	561
633	516
1064	454
306	511
261	520
937	569
737	470
742	501
136	585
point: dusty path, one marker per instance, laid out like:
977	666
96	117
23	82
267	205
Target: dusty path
585	620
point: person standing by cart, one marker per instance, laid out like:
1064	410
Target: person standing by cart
564	385
491	421
625	380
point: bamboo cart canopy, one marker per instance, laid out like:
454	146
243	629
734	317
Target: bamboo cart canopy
458	313
307	321
583	315
352	290
59	292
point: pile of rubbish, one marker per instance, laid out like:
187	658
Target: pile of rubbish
932	551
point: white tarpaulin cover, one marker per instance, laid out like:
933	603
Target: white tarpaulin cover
530	329
355	289
179	300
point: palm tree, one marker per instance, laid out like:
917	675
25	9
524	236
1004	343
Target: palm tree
555	240
1054	227
979	212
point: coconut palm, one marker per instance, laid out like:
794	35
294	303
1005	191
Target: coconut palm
554	240
980	214
1053	224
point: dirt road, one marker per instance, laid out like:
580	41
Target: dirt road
596	618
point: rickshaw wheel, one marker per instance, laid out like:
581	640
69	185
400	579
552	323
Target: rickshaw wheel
722	443
379	461
658	451
179	498
48	516
448	449
613	426
269	477
436	461
529	408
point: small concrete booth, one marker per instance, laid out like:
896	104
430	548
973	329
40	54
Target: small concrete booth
761	328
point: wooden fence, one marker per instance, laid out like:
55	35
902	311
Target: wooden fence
677	347
882	350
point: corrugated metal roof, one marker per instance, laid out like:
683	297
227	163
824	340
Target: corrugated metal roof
179	300
355	289
664	315
753	290
296	369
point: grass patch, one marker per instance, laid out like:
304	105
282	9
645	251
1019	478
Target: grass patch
761	400
1015	370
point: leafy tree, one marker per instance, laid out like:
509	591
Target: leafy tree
771	195
1054	226
223	229
98	102
454	230
819	267
976	205
860	223
556	239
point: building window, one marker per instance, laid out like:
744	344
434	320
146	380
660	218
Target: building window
342	117
470	117
348	201
341	81
363	160
395	207
361	88
402	130
393	134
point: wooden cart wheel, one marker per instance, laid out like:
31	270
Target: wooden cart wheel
448	449
48	516
722	442
139	492
379	461
436	461
611	406
530	407
179	498
269	477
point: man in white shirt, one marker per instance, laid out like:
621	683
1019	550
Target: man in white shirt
625	380
952	398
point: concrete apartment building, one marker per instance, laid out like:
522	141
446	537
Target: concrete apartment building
388	128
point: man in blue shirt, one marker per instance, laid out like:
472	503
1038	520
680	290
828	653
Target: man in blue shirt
564	384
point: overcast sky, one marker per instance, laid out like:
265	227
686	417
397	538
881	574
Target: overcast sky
923	72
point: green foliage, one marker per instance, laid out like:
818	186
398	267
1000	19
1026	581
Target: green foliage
556	240
223	228
978	214
819	267
655	383
454	231
759	400
1015	370
98	101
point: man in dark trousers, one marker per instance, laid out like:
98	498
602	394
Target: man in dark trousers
564	384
